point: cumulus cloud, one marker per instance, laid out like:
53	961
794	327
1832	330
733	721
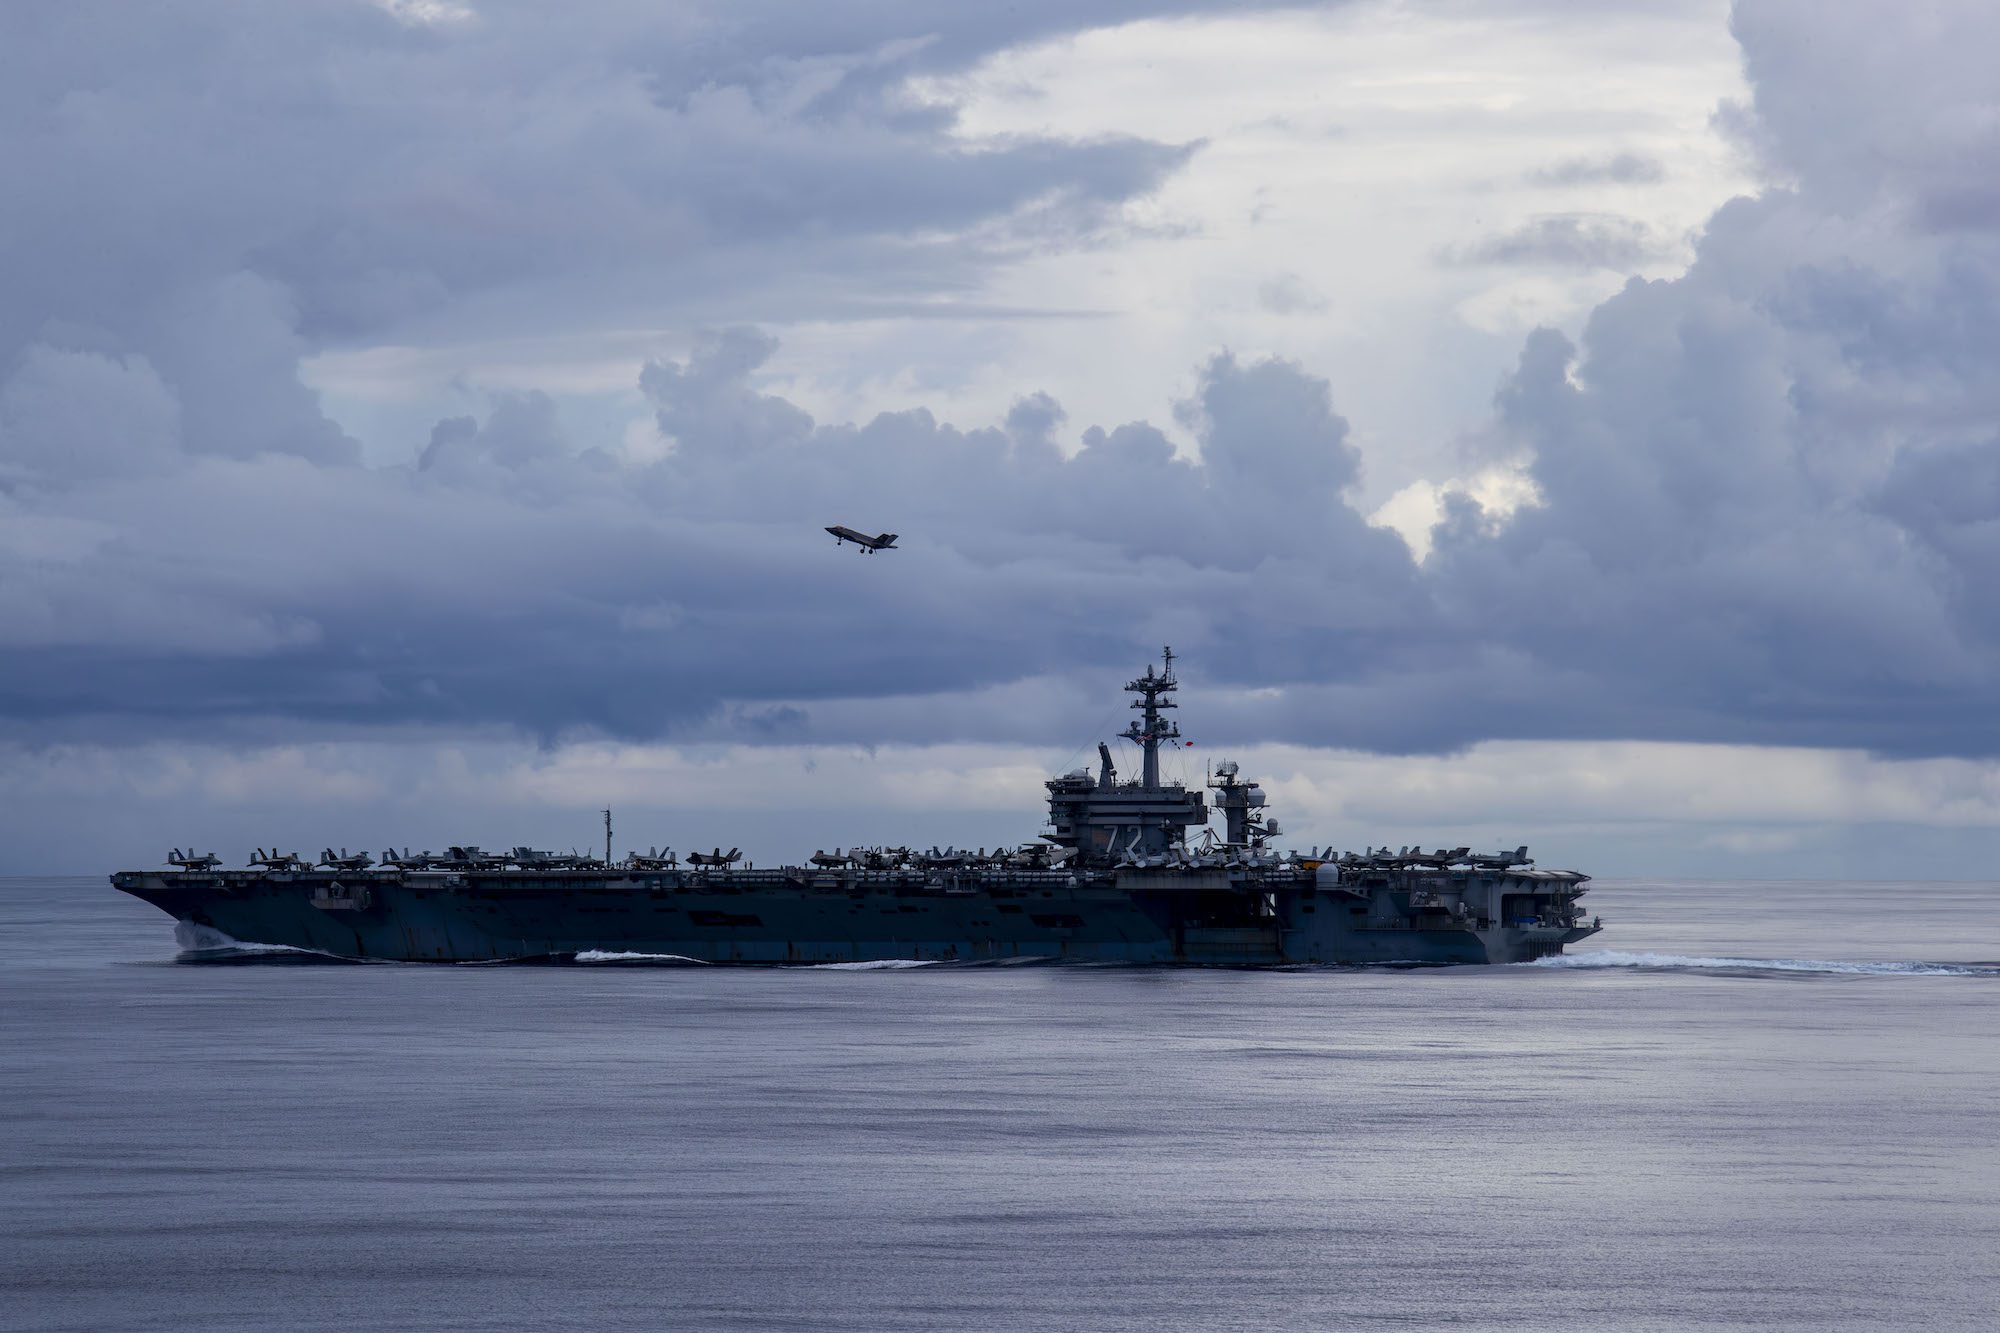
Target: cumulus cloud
67	414
507	579
1765	491
520	431
1766	484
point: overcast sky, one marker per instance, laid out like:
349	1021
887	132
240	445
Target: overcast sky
1528	422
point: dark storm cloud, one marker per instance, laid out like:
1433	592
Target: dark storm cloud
509	580
382	173
206	193
1767	489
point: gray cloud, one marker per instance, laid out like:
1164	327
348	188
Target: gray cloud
1568	240
521	431
224	188
384	175
510	581
1767	488
1767	485
1290	294
1626	168
66	414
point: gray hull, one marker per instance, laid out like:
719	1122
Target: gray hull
798	917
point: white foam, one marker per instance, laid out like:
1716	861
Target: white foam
877	965
626	956
205	940
1614	958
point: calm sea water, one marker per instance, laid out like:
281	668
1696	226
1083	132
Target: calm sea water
1755	1106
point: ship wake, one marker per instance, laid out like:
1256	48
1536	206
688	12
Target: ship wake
1670	962
206	944
627	958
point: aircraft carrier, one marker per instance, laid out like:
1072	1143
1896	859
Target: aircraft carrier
1115	877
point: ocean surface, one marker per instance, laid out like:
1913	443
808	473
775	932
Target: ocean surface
1743	1106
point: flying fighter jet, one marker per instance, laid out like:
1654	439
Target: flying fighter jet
869	545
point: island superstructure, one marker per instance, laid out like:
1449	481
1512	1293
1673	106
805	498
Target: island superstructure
1115	877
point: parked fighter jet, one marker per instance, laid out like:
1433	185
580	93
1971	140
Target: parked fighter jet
358	861
278	860
1500	860
471	858
831	861
527	858
714	858
869	545
882	858
1437	860
192	862
408	860
1038	856
653	858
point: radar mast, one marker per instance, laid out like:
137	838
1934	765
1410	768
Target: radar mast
1143	821
1149	728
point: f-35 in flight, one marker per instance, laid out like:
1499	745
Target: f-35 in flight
869	545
